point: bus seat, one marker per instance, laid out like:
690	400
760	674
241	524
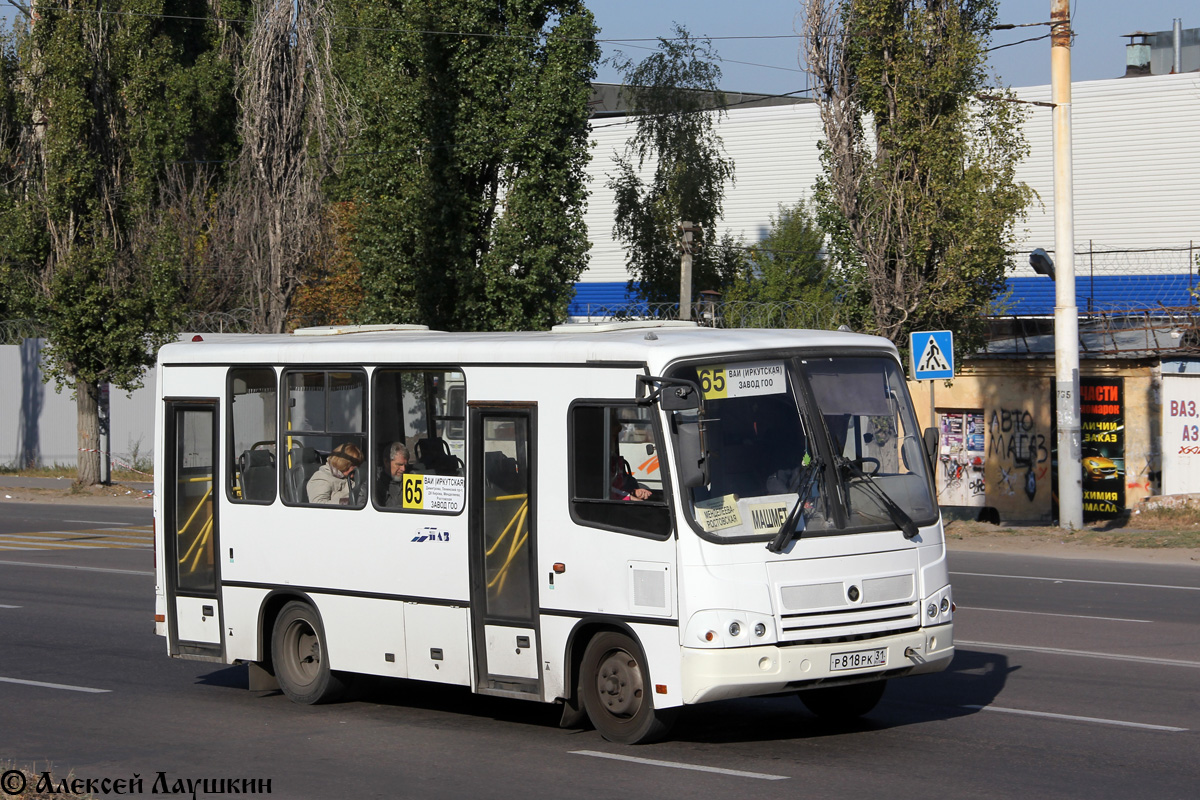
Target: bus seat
304	462
501	473
435	454
258	474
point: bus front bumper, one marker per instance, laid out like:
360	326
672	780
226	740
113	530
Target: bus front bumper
719	674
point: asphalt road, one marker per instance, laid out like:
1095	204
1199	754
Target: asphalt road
1073	678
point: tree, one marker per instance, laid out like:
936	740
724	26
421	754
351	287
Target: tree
788	265
675	100
469	174
919	192
100	103
293	121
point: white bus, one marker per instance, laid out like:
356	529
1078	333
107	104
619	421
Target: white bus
785	540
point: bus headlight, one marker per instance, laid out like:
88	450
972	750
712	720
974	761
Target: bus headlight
939	607
728	628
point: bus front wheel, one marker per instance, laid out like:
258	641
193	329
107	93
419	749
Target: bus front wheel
617	694
299	655
843	703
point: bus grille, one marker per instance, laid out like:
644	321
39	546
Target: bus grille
822	611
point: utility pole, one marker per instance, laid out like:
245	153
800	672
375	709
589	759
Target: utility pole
685	269
1066	314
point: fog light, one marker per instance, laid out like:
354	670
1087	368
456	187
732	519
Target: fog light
945	604
735	628
932	610
760	629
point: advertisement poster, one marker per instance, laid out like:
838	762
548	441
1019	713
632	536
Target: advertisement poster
1181	434
1102	425
961	459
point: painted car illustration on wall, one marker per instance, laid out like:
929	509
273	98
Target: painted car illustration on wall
1100	468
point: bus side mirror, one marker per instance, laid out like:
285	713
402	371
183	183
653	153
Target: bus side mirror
931	446
671	393
693	460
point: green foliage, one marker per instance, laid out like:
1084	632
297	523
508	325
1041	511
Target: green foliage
469	174
674	97
788	264
94	107
919	193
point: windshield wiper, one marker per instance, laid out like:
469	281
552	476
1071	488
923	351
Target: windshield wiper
898	514
808	474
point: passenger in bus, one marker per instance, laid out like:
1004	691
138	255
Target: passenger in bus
400	463
623	485
332	483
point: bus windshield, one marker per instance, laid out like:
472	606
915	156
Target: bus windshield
833	438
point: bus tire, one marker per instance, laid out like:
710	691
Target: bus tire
617	694
843	703
300	656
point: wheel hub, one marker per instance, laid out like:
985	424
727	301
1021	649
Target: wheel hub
619	683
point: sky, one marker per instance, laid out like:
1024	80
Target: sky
770	66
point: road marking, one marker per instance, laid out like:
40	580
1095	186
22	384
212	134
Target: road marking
118	538
1168	662
101	522
1078	580
9	606
1074	718
737	773
65	686
1049	614
82	569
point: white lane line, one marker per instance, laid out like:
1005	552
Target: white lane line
1078	580
1049	614
1073	718
64	686
99	522
1	606
737	773
81	569
1167	662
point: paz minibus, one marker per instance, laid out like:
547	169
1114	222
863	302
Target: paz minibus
623	517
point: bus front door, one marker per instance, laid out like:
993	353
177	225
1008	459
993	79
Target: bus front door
503	534
190	528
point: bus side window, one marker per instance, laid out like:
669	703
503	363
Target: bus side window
605	492
252	414
324	414
422	412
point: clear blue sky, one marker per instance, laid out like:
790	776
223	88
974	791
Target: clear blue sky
1097	52
771	65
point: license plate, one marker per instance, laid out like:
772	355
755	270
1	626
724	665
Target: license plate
859	659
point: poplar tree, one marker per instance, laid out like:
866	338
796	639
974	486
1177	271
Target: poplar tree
919	194
105	95
468	179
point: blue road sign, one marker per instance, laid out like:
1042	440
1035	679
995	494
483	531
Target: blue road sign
932	355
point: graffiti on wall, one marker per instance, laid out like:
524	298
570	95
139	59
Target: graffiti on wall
1021	451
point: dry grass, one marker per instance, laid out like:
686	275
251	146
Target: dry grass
1144	528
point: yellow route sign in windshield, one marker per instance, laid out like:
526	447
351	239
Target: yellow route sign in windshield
722	381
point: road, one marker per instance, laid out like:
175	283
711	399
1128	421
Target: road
1073	678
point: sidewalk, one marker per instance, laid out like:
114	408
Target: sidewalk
63	490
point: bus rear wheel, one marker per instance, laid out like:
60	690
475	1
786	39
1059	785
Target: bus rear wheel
299	655
616	691
843	703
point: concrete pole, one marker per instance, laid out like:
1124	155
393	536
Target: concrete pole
685	271
1066	314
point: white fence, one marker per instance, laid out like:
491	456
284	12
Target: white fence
38	424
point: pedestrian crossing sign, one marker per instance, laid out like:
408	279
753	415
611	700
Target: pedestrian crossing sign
932	355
